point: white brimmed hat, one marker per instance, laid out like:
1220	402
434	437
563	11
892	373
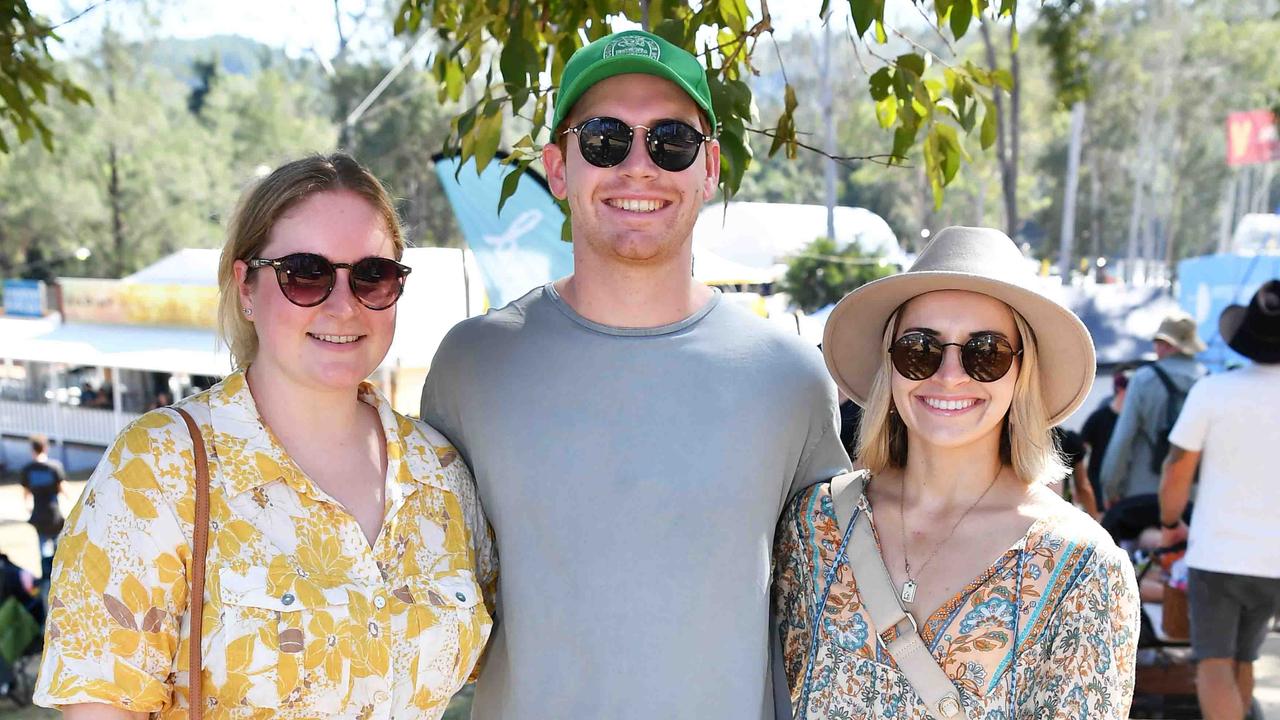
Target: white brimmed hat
978	260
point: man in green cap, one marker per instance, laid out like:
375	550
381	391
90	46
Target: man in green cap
634	437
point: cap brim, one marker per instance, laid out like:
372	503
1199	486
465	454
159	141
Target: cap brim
853	337
622	65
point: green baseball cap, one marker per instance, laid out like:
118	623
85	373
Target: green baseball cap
632	51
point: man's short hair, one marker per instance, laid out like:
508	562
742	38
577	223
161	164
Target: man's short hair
39	444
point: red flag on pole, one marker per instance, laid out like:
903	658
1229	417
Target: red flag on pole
1251	138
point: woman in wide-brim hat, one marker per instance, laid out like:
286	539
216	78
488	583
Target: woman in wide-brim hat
1024	602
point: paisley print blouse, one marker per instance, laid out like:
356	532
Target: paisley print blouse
302	617
1049	630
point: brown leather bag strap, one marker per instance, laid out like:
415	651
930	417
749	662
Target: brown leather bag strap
199	550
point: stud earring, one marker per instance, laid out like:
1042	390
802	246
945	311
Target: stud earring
248	312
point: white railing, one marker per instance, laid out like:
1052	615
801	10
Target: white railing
90	426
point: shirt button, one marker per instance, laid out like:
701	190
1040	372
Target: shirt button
379	602
461	597
287	598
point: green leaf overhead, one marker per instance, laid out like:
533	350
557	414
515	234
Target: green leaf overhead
531	36
28	75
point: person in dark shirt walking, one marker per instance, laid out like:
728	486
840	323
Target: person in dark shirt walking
1099	426
42	480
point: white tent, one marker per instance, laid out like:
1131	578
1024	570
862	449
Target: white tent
763	235
713	269
435	298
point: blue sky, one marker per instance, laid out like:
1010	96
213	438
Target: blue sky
297	26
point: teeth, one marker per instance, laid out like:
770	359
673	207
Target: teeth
641	206
337	339
949	404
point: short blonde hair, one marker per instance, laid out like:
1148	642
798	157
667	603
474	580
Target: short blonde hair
262	205
1026	442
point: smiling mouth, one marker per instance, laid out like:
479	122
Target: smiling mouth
336	339
637	206
949	405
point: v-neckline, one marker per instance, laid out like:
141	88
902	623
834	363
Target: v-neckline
931	625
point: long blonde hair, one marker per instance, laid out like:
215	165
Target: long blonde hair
264	203
1026	441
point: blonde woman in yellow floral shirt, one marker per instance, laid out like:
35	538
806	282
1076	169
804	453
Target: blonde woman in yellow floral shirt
347	549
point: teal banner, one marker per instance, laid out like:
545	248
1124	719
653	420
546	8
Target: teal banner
517	250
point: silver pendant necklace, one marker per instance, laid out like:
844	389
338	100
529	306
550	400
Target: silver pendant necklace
908	592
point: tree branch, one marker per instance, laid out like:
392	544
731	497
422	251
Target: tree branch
938	32
885	159
80	14
921	48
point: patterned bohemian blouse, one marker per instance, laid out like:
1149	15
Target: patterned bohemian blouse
1049	630
302	618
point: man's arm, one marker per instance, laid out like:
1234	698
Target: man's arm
1082	490
1175	483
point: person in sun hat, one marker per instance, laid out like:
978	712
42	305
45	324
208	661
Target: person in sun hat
1228	429
1131	465
634	436
1023	606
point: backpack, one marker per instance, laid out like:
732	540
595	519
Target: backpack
1173	405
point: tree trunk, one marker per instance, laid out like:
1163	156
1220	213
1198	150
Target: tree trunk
1015	133
1135	226
1006	136
1095	208
118	266
1228	210
115	197
828	112
1066	244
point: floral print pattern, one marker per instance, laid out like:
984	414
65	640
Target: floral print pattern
1049	630
302	618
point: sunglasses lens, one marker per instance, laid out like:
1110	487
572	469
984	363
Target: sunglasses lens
986	357
604	142
305	279
673	145
915	356
377	282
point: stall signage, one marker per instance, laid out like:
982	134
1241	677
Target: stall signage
24	298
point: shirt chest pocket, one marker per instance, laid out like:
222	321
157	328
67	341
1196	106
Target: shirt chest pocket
282	649
450	625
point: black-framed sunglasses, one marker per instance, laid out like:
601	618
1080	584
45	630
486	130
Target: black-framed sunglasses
986	357
606	141
307	279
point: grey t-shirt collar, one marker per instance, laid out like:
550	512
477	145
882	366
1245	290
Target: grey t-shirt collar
677	326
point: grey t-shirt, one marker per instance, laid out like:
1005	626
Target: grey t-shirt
634	478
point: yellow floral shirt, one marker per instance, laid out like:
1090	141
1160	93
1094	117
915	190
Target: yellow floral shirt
302	618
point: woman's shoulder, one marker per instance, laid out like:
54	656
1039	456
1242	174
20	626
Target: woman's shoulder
1081	545
430	453
160	440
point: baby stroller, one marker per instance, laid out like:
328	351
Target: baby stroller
22	617
1165	685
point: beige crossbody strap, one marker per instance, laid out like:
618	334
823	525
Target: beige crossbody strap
875	588
199	550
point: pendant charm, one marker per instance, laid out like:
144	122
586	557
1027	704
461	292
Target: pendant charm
909	591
